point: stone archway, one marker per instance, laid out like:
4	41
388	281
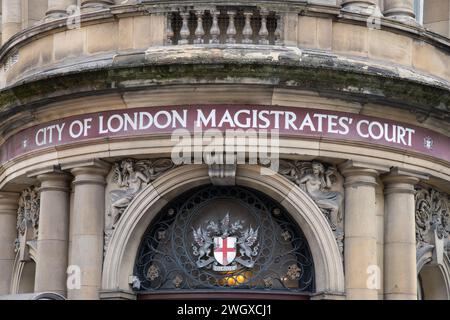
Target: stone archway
433	275
125	241
23	274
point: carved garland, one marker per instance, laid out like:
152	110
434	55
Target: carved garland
27	218
432	216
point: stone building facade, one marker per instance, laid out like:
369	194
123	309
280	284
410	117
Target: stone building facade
338	189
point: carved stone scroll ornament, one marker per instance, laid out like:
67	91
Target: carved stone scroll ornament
27	218
323	184
432	217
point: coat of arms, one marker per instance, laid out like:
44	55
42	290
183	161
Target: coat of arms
225	245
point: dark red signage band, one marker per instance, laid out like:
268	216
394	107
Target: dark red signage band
289	121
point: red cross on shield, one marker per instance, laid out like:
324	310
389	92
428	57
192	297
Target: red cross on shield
225	250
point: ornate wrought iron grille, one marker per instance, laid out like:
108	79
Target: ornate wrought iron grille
272	250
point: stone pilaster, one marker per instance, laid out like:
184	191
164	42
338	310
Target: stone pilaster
87	229
360	248
53	234
58	8
400	280
8	233
11	18
402	10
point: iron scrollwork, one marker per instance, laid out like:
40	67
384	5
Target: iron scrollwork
258	249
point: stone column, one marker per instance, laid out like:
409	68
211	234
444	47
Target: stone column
92	5
359	6
87	228
400	280
360	249
380	237
11	18
53	234
400	9
9	203
58	8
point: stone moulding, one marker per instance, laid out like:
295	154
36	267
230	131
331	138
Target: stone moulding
332	76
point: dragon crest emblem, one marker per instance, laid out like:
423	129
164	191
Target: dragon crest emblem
223	245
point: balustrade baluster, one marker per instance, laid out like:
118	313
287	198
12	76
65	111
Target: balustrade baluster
184	32
247	32
231	30
199	32
263	32
278	30
215	30
169	30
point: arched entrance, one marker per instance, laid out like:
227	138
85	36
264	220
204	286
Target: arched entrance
224	241
125	242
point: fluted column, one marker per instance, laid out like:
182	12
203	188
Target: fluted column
359	6
58	8
360	230
92	5
8	233
400	9
87	228
11	18
53	235
400	280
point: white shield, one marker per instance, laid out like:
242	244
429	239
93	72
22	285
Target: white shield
225	250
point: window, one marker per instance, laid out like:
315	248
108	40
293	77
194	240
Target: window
224	238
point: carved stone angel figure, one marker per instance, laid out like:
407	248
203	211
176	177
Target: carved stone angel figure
133	176
317	182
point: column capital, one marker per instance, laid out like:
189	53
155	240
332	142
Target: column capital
360	173
87	165
401	181
9	202
9	196
91	172
54	181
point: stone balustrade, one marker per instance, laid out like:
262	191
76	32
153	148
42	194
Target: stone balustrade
224	25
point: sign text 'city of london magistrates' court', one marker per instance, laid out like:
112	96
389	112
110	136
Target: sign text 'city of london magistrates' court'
289	121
